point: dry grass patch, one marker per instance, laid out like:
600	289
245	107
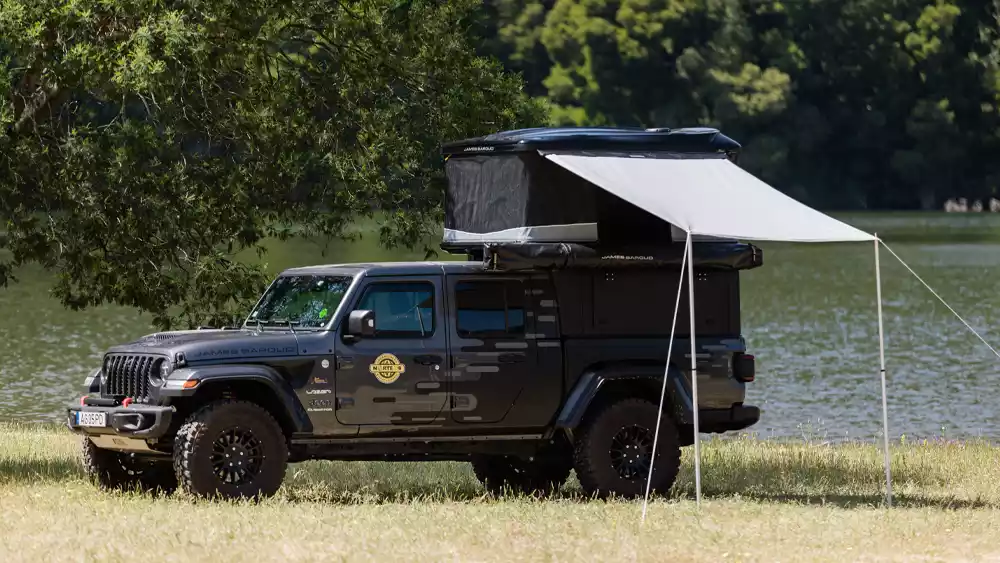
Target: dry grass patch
765	501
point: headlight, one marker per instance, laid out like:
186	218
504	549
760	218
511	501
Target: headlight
166	368
93	382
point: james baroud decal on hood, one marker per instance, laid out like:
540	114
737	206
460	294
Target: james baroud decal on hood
231	352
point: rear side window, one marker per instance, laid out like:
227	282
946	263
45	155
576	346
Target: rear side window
402	310
490	309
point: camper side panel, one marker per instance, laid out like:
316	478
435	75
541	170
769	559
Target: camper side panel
640	303
624	315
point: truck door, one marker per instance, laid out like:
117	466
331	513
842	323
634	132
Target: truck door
395	377
493	355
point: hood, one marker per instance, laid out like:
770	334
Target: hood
219	344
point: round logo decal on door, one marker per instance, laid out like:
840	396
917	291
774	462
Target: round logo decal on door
387	368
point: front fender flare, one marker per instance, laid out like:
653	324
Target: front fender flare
678	399
289	401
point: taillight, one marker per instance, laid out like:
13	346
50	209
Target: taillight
743	367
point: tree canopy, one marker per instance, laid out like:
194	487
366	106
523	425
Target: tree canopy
848	104
146	142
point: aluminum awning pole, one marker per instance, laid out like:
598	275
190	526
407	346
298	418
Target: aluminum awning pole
881	359
694	375
663	389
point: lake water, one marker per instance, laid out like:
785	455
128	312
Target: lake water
809	316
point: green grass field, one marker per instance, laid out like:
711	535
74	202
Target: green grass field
765	501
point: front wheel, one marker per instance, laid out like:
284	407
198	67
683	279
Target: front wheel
126	471
615	449
230	449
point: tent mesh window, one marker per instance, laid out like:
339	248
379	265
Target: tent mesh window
488	194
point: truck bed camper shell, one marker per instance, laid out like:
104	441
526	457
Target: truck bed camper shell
516	211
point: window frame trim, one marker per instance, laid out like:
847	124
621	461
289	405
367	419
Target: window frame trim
504	283
363	293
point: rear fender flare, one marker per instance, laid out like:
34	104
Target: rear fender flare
234	373
588	387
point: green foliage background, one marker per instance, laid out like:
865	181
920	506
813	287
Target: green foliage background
149	142
845	104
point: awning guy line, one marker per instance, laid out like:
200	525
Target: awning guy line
939	298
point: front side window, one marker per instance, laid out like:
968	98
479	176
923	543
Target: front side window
402	310
490	308
307	301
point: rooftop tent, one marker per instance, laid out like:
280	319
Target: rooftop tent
502	190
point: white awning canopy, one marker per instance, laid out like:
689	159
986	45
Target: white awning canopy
712	197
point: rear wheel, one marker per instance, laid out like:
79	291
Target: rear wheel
541	475
230	449
126	471
615	449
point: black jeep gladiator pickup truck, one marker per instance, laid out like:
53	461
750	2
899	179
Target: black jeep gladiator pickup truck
525	375
543	352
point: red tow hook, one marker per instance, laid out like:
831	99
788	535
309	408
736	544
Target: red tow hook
126	402
83	400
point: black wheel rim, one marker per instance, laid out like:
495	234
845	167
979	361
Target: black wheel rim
237	456
131	465
631	452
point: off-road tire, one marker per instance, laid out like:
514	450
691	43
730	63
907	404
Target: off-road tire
594	461
199	440
685	435
540	476
126	471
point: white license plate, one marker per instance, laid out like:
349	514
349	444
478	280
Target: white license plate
92	419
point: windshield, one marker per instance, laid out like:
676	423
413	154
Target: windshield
300	301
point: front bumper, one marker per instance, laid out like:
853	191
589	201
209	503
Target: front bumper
133	421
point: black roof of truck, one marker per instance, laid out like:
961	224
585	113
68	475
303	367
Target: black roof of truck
390	268
688	140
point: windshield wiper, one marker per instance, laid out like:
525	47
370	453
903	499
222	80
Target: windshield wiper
287	322
290	324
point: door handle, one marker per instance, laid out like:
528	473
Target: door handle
428	360
510	358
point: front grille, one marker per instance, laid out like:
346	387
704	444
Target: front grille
130	375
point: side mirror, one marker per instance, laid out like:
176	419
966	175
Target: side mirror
361	324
